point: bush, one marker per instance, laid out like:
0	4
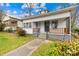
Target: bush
2	26
58	48
9	30
76	30
20	32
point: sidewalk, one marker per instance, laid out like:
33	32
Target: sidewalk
25	50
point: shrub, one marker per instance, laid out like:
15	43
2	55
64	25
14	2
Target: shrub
76	30
2	26
9	30
59	48
20	32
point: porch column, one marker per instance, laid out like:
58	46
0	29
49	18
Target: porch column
33	25
50	25
70	25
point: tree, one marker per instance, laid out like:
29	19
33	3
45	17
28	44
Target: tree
73	22
1	24
28	8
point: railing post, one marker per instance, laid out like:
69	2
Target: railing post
38	32
47	35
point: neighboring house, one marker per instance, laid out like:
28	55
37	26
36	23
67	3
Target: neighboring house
57	24
10	22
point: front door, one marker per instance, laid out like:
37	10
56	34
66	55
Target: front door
46	26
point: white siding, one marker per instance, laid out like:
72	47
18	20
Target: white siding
29	30
42	27
20	24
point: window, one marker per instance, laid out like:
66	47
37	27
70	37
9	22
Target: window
24	25
54	24
27	25
37	24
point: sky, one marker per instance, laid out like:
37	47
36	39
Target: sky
20	9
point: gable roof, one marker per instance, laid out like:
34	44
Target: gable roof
46	14
14	17
53	12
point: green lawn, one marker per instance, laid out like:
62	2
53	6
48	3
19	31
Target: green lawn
58	48
9	41
46	49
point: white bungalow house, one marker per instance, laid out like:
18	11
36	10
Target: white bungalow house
57	24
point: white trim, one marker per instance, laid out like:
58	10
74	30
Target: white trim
70	25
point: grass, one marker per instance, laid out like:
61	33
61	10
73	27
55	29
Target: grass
46	48
9	41
58	48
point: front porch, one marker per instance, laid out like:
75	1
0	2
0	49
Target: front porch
57	29
59	26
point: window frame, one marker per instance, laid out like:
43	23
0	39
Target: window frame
27	25
54	24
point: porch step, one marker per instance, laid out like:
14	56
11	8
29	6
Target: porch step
54	36
43	36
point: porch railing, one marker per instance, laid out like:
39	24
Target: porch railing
36	29
59	31
55	31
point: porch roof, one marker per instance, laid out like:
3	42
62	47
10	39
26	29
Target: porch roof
52	13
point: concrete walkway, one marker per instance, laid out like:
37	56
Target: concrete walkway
25	50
